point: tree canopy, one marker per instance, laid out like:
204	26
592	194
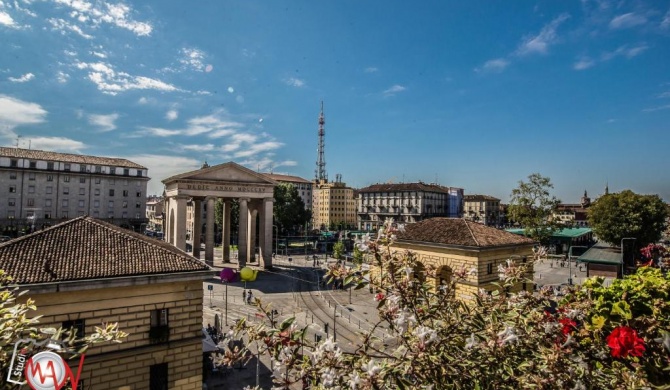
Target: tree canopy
627	214
289	209
532	206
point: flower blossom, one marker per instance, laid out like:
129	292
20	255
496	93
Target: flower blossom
328	377
471	341
624	341
379	296
568	325
425	335
371	368
354	381
507	336
404	320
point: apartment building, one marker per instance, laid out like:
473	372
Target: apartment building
406	203
154	213
333	205
37	187
303	186
483	209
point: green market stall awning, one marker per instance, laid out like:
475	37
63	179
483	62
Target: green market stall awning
601	254
567	233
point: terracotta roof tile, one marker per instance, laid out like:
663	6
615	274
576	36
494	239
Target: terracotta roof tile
460	232
289	178
67	157
403	187
88	248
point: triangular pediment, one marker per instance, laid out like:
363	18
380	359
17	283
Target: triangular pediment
228	172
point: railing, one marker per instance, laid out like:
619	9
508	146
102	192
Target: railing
159	334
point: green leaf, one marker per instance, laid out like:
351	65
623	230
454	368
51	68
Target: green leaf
598	322
286	323
622	308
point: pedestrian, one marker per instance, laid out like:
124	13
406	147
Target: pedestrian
244	295
250	297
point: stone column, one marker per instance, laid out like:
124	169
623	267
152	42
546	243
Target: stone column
180	223
243	236
266	232
167	226
253	213
227	204
197	227
209	233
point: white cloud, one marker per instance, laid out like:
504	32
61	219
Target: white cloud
214	125
261	165
162	167
664	95
293	82
666	21
627	21
171	115
15	112
103	12
143	100
6	20
393	90
193	58
199	148
158	132
25	78
659	108
583	63
286	163
258	148
104	122
63	26
625	51
496	65
99	54
371	69
111	82
230	147
540	43
62	77
57	144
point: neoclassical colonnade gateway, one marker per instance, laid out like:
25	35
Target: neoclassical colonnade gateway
228	181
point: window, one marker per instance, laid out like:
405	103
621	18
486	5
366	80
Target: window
126	172
82	168
125	204
12	175
47	215
110	215
96	192
66	179
82	180
111	192
31	202
82	191
65	203
14	163
66	190
12	189
139	173
138	205
97	180
33	164
66	167
31	189
158	376
98	169
112	170
110	204
10	214
489	268
50	177
81	203
30	214
96	214
31	176
50	166
11	202
160	330
138	194
96	203
64	214
47	202
49	190
137	215
124	215
125	193
77	325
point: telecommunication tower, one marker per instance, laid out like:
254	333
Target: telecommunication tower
320	175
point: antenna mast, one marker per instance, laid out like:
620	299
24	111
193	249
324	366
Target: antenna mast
320	172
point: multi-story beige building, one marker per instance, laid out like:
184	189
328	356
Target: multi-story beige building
406	203
303	186
37	187
484	209
333	205
99	273
154	213
573	214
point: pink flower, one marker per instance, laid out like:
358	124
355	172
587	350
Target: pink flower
379	297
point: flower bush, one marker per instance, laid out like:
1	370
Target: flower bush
593	337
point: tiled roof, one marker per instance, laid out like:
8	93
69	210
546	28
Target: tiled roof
475	197
67	157
460	232
88	248
403	187
289	178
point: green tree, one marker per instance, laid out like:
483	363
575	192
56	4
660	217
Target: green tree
289	209
338	250
627	214
532	206
234	215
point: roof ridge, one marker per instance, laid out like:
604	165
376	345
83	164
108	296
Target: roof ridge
470	230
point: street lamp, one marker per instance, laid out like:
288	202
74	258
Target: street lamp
570	262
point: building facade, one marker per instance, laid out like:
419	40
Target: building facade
573	214
406	203
38	187
151	289
303	186
333	205
484	209
456	244
154	213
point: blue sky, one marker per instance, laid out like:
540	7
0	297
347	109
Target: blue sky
474	94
